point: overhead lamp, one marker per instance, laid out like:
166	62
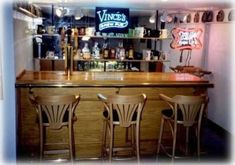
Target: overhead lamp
163	18
78	14
169	18
182	17
152	18
85	38
60	11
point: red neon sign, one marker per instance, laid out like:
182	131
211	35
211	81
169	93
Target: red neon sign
186	38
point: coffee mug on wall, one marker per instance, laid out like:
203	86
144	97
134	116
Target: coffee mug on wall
139	32
146	54
164	33
50	29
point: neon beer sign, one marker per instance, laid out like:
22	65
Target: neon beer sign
186	38
114	20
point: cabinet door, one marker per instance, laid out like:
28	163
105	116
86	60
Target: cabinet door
59	65
45	65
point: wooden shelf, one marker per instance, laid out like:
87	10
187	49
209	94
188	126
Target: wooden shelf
118	60
26	12
107	60
115	37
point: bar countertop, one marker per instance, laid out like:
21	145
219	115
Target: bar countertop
108	79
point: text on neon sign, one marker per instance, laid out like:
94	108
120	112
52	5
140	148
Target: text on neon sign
186	38
111	20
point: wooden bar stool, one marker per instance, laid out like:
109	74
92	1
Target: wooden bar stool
185	111
123	111
55	113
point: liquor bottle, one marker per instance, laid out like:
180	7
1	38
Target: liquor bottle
86	52
96	51
131	53
112	53
117	56
106	51
122	52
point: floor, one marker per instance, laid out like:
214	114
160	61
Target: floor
215	148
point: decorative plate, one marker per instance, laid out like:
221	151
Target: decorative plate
220	16
207	16
188	18
231	15
196	18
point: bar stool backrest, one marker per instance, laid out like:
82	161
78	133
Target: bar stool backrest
191	108
58	110
126	106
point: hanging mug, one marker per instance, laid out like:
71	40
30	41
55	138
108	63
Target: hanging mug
164	33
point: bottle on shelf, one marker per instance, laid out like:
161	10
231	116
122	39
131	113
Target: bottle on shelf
86	52
105	51
120	51
96	51
112	53
117	56
130	53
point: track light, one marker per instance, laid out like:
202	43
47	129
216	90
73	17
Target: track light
163	17
152	18
78	14
60	12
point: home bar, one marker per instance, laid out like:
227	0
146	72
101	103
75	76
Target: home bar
88	128
102	82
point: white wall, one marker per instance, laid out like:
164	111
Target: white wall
215	56
219	62
7	105
23	42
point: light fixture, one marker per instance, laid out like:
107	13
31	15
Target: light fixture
182	17
169	18
152	18
78	14
163	18
85	38
60	12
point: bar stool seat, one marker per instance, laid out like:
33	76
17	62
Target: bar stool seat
185	111
123	111
167	113
55	113
115	115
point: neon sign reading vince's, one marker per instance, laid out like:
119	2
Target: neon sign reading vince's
111	20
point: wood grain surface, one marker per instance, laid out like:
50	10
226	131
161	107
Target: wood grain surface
89	125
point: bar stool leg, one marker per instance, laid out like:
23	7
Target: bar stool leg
187	141
133	140
73	142
137	142
198	141
104	137
70	143
127	134
174	142
160	136
41	141
111	142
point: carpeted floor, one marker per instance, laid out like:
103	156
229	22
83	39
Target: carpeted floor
215	149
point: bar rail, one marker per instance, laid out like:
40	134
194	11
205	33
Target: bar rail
58	79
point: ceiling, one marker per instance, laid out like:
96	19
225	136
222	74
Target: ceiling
137	7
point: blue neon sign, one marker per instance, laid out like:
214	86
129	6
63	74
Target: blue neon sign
115	20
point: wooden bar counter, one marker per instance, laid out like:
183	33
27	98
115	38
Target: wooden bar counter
88	127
